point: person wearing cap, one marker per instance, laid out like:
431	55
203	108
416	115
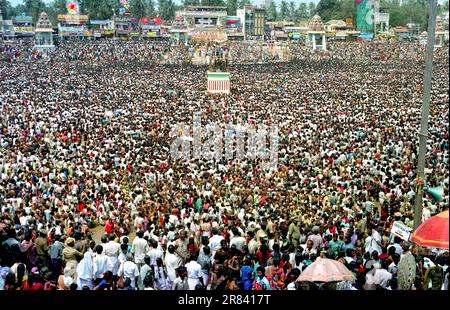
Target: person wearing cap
71	255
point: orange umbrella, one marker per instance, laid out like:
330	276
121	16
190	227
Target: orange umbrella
326	270
433	233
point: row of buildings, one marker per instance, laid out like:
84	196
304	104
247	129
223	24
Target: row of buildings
210	23
248	24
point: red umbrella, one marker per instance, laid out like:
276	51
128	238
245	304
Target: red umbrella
433	233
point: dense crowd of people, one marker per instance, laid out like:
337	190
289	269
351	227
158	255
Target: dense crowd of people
91	199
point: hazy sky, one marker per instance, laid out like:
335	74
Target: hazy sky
15	2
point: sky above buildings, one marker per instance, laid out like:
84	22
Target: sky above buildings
257	2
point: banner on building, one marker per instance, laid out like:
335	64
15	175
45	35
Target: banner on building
23	29
204	21
365	15
233	22
73	18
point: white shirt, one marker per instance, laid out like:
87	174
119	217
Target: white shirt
154	255
129	270
139	248
194	270
111	250
371	245
172	262
239	242
100	265
214	242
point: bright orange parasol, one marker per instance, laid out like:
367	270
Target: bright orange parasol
433	233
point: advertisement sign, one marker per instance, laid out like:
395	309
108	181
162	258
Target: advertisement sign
364	15
72	29
401	230
233	22
202	21
151	21
73	7
152	34
150	27
23	19
73	18
23	29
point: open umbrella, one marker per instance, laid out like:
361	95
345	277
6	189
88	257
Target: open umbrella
433	233
326	270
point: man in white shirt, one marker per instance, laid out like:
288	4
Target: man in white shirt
111	250
139	249
172	261
154	253
372	242
237	240
252	245
100	264
214	241
129	270
194	272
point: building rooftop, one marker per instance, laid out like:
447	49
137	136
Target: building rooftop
400	29
316	24
205	7
44	25
337	23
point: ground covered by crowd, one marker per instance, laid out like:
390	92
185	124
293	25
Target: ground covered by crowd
85	141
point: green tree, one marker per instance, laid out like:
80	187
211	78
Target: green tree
137	8
34	8
328	9
190	2
347	9
150	10
59	6
5	6
284	10
302	11
292	11
166	9
242	3
271	12
311	9
99	9
232	7
214	2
